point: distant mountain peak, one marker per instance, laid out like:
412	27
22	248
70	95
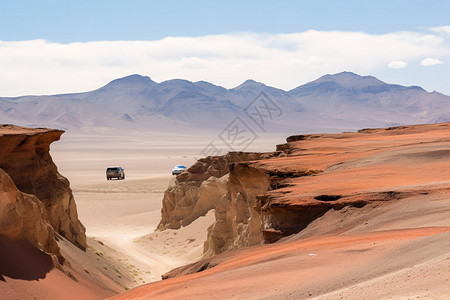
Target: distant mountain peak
203	82
249	83
342	100
349	79
133	79
177	81
344	74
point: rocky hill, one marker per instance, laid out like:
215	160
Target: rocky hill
36	202
334	103
325	213
273	195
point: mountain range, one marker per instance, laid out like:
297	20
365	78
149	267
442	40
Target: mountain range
331	103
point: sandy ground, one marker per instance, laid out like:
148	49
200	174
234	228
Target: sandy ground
380	262
126	222
83	159
123	214
401	253
397	248
120	216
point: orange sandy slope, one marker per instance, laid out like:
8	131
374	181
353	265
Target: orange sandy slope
396	248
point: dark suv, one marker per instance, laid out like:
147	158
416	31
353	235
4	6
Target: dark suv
115	172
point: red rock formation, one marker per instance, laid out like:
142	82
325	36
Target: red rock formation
238	218
198	189
345	215
279	194
23	217
348	169
34	194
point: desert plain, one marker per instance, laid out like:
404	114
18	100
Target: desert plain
121	216
394	246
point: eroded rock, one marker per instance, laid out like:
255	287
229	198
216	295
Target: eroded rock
41	194
198	189
278	194
238	219
23	217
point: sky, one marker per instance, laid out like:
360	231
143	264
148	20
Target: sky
60	46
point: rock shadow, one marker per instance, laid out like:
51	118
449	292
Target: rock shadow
20	261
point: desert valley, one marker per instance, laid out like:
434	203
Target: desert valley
337	189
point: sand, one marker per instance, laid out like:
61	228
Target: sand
126	222
120	217
123	214
397	248
380	262
83	159
401	253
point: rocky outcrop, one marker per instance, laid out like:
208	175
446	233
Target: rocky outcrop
185	202
238	218
271	196
198	189
243	217
37	200
234	188
23	217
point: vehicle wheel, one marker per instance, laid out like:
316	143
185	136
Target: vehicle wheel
123	177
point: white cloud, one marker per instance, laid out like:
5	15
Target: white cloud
194	63
281	60
441	30
430	62
397	64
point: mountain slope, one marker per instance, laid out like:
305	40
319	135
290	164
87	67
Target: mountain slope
331	103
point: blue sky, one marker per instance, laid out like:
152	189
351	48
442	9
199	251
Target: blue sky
97	20
67	46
